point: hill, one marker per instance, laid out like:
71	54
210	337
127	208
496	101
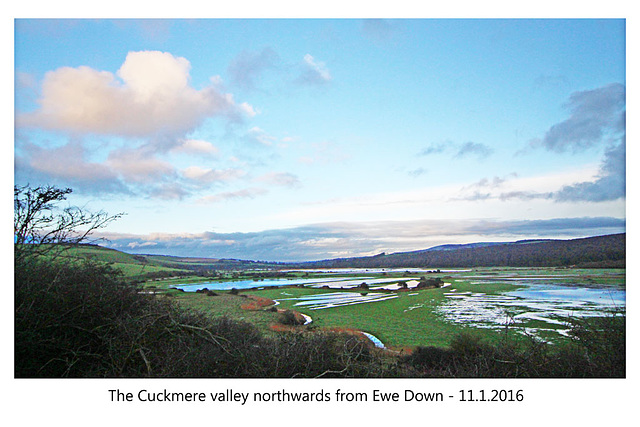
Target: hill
143	267
591	252
599	251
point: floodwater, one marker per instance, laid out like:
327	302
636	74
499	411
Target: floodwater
538	302
338	299
541	301
317	282
249	284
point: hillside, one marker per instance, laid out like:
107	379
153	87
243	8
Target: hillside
143	267
596	252
600	251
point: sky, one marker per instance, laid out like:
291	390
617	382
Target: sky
307	139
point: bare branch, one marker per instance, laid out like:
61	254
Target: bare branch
41	226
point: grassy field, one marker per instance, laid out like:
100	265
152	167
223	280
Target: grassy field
413	318
130	265
410	319
406	321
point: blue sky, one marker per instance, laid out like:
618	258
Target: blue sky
306	139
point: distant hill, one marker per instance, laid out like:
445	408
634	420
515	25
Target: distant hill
452	247
144	267
600	251
595	252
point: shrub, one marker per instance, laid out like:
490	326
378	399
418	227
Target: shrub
430	357
84	321
597	350
289	317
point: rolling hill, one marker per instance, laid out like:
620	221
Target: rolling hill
599	251
592	252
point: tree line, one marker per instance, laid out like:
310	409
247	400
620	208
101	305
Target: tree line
600	251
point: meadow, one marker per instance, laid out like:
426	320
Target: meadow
92	313
479	301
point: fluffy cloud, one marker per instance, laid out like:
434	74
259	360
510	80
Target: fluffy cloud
609	185
139	165
150	96
68	163
594	115
196	147
150	102
597	119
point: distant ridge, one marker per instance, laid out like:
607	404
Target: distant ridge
592	252
454	247
600	251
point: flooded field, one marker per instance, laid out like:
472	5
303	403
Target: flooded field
250	284
538	305
338	299
532	301
339	282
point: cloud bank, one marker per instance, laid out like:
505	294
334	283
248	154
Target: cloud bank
346	239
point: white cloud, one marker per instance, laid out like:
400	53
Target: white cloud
314	72
260	136
205	175
134	245
139	165
196	146
248	110
596	115
247	193
284	179
68	162
151	95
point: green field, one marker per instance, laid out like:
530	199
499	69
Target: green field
413	318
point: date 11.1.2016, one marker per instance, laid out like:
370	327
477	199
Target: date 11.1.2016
491	395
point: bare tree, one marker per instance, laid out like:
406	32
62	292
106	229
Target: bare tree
41	225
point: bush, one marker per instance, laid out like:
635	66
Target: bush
289	317
430	357
597	350
84	321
